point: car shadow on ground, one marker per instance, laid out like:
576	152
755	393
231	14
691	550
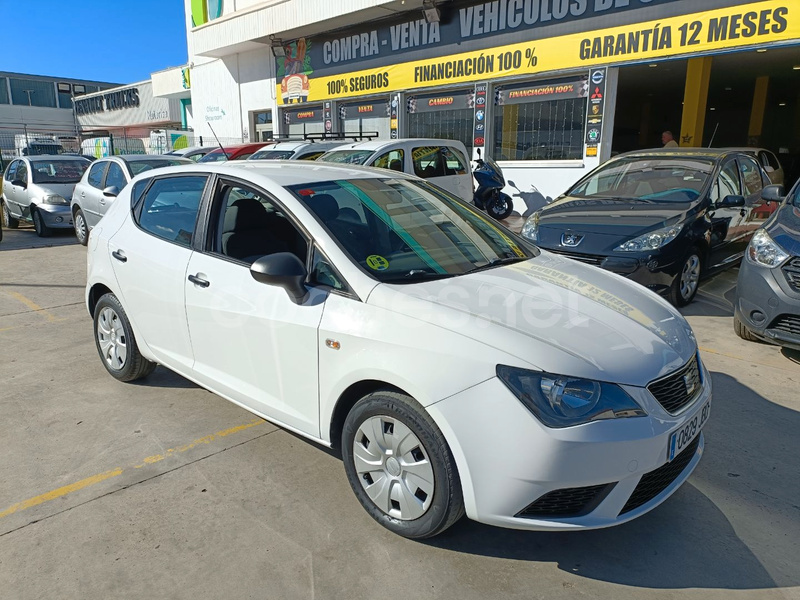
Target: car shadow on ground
691	540
25	238
162	377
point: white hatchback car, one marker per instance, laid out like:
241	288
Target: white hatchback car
456	366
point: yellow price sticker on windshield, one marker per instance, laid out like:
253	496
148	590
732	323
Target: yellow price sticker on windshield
377	263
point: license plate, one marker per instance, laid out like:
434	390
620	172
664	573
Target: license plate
690	430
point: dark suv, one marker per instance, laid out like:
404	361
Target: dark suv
768	290
663	217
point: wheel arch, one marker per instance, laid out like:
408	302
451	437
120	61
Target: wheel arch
97	291
348	398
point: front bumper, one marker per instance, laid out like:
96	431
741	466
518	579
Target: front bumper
56	216
767	305
507	459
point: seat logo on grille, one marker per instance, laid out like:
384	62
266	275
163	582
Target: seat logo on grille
688	381
571	239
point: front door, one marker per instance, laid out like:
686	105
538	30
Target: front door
89	195
251	342
726	223
150	261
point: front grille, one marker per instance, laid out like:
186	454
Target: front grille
677	391
787	324
792	272
655	482
569	502
589	259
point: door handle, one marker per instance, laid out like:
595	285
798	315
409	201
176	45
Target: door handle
120	256
199	281
83	194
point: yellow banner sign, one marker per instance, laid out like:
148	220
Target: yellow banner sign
720	29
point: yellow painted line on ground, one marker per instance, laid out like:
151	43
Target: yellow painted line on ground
33	306
95	479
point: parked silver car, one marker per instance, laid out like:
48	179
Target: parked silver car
101	184
38	189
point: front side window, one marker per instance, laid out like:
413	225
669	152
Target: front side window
406	231
214	156
170	206
390	160
251	225
115	176
727	183
96	171
646	179
324	273
22	172
348	157
12	171
751	174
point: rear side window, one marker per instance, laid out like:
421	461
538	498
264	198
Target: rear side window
170	206
437	161
768	159
96	171
751	175
390	160
138	189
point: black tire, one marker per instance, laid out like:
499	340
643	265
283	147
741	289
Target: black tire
81	228
500	206
134	366
42	230
693	262
446	505
9	221
742	331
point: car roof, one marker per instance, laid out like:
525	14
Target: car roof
298	145
374	145
709	153
234	147
286	172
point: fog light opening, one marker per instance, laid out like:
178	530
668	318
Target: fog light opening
757	316
59	219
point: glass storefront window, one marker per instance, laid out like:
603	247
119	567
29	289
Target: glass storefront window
542	120
445	116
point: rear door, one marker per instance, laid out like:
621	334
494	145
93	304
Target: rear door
23	192
116	177
10	191
150	254
89	195
444	166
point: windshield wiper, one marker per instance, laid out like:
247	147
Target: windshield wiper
496	262
415	275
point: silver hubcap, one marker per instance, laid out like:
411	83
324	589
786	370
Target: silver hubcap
111	336
393	468
690	276
80	226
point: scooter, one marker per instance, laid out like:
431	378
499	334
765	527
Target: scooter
488	196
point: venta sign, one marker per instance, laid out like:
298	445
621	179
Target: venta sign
117	100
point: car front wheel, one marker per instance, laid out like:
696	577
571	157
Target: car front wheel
400	466
684	286
42	230
116	343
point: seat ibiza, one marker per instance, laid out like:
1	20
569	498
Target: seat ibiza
457	367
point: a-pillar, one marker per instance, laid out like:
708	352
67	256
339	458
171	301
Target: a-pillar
757	111
695	96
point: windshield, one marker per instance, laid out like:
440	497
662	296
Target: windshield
660	179
38	149
350	157
214	156
58	171
139	166
272	155
403	231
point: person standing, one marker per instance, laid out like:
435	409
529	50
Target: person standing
668	140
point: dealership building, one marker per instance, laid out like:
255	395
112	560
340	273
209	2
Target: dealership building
548	88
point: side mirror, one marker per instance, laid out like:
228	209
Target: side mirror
20	183
283	269
730	201
773	193
478	152
111	191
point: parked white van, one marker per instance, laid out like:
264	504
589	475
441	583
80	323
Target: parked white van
99	146
442	162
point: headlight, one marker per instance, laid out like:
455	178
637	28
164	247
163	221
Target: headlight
530	229
764	251
559	401
651	241
54	199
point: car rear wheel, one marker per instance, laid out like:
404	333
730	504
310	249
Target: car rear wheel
400	466
81	229
9	221
742	331
42	230
684	286
116	343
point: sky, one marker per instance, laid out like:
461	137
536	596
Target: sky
115	41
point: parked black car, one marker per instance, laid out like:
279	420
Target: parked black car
663	217
768	290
